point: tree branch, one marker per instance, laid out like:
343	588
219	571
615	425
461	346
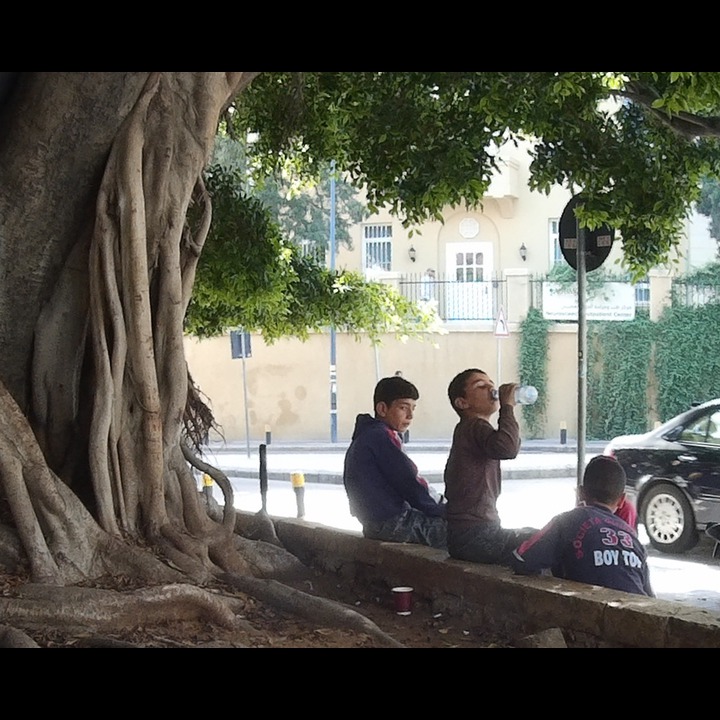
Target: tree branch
686	124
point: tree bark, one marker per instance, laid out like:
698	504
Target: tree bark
99	170
98	253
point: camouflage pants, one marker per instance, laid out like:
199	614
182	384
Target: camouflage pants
411	526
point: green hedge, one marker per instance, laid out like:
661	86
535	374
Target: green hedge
619	354
638	371
687	357
532	366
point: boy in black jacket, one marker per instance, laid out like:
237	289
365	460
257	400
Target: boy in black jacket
386	494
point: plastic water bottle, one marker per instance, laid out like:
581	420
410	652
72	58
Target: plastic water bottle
524	394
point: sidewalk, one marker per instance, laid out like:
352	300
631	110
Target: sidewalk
323	461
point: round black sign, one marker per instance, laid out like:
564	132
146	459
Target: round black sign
598	242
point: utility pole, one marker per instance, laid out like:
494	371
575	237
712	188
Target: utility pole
582	353
333	360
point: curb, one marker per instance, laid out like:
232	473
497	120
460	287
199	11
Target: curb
431	477
419	446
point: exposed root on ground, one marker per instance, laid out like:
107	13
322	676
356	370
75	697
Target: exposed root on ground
310	607
78	610
178	615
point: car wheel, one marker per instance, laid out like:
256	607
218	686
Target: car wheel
668	519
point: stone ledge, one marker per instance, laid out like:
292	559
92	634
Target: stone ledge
499	598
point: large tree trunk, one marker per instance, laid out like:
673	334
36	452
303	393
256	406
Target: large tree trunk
99	170
98	259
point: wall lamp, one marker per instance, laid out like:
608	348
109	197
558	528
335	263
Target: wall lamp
412	253
523	252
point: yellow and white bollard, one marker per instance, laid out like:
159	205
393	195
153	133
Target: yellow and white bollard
207	486
298	484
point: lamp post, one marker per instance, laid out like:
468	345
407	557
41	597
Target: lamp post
333	365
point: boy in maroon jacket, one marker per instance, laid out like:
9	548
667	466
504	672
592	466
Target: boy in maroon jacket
472	473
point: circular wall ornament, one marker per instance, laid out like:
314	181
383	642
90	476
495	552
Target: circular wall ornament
469	228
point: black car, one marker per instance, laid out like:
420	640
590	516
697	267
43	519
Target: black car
673	476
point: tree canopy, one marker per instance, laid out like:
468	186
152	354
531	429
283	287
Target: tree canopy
251	275
301	210
635	145
709	205
419	142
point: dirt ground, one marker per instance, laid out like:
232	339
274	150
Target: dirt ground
421	629
263	627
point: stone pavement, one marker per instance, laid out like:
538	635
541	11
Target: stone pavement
323	461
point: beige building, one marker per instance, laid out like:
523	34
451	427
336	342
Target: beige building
483	262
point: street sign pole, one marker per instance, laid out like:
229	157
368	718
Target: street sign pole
584	252
582	354
245	395
241	347
501	331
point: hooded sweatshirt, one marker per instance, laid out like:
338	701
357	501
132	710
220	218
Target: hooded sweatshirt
588	544
381	481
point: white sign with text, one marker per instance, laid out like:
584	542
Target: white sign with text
613	301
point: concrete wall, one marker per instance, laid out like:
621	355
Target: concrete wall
495	597
288	383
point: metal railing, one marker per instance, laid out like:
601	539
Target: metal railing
481	300
694	294
456	300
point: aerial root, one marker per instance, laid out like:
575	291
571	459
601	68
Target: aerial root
309	607
75	610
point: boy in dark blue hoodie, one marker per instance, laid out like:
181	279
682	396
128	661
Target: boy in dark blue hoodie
590	543
386	494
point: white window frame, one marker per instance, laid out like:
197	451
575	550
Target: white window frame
642	293
377	246
556	255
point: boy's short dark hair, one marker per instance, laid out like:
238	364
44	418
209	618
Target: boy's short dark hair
394	388
603	480
457	385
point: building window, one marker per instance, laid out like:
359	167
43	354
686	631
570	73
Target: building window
377	241
554	240
642	293
469	266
